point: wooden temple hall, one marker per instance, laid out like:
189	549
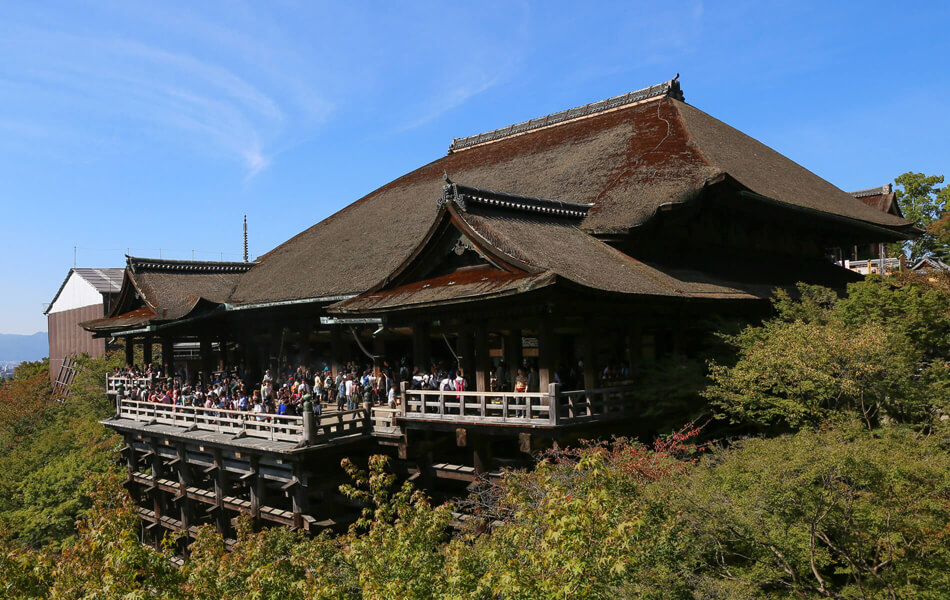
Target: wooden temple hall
586	244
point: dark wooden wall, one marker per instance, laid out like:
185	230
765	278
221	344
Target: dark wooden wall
66	337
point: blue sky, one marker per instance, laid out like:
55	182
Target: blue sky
154	127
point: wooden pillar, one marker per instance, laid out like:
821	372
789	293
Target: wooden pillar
132	462
168	357
129	350
589	339
679	334
300	497
207	360
158	472
185	480
255	487
482	359
379	351
466	351
420	346
225	354
513	355
220	483
548	352
252	363
146	351
336	350
273	360
481	455
635	347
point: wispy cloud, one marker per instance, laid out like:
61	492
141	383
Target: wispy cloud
448	99
152	93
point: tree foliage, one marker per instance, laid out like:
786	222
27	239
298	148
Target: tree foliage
832	514
52	450
923	201
880	353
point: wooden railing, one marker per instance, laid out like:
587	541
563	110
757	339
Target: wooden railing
384	422
232	422
330	426
598	404
540	409
113	382
322	429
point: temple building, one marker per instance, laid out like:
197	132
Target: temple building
84	294
584	243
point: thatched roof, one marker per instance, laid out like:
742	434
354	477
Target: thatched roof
626	162
158	290
524	250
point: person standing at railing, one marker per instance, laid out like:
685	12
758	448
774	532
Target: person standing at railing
391	396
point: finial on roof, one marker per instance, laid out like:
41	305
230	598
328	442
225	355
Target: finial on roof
667	89
445	176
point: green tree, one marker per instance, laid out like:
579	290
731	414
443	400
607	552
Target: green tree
51	452
880	353
923	201
832	514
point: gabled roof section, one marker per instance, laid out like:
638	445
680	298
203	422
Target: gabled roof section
524	250
882	198
104	280
931	263
169	290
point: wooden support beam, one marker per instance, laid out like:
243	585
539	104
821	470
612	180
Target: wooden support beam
185	480
158	471
300	498
255	487
220	483
635	346
168	357
482	359
589	339
207	359
548	353
513	355
466	351
481	455
147	351
421	351
337	360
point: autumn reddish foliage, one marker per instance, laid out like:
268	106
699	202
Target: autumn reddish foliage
24	403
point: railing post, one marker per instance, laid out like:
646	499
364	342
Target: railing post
554	403
309	431
403	397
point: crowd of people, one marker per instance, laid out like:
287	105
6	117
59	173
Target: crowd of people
285	391
281	393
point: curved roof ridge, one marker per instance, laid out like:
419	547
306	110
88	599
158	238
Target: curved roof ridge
667	89
769	173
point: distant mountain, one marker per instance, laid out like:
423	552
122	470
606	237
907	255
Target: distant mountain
17	348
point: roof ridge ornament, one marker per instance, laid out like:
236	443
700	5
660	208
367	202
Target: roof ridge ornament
462	195
667	89
137	265
875	191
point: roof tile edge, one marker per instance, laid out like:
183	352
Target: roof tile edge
875	191
667	89
200	266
